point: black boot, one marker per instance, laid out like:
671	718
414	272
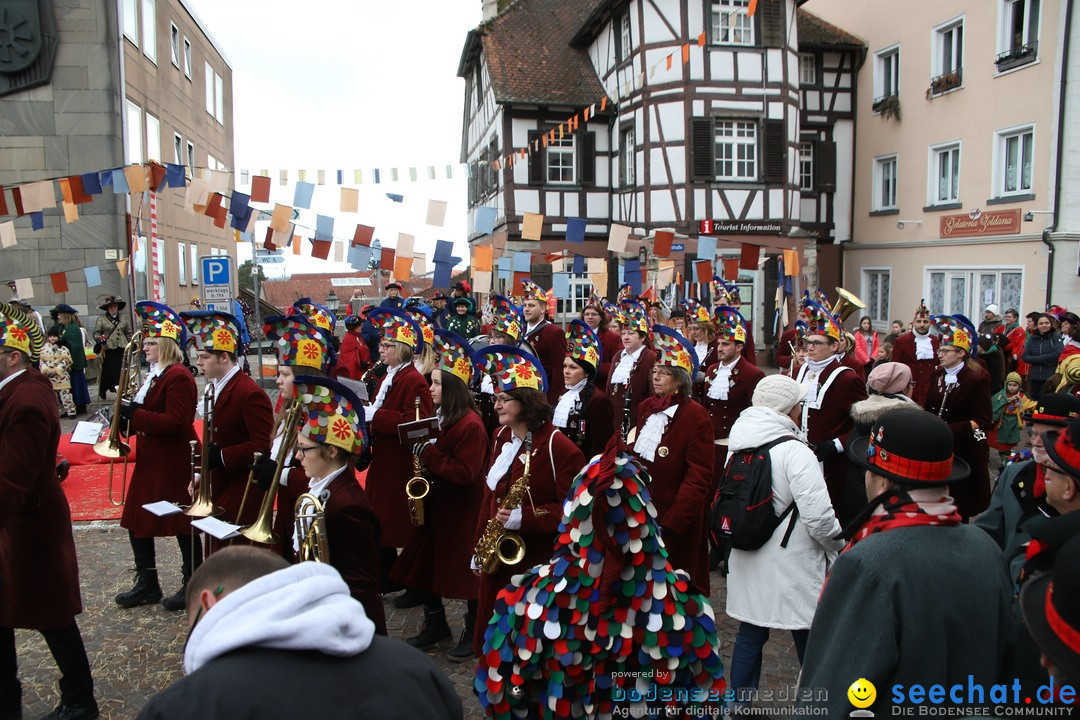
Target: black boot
11	703
81	711
146	591
177	601
409	599
463	650
434	631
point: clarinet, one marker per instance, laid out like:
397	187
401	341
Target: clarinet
576	424
626	413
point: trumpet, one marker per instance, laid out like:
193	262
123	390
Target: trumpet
499	546
418	487
372	371
261	531
202	505
113	446
311	529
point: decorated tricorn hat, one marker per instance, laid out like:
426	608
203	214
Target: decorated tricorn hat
730	324
19	331
673	350
511	368
299	343
910	446
922	310
971	332
633	316
507	317
595	301
453	355
396	325
801	331
614	312
333	415
819	320
215	330
725	293
953	332
421	315
532	291
822	299
160	320
318	315
695	311
582	344
626	292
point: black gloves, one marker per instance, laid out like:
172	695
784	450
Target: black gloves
264	472
364	460
62	469
127	411
825	450
213	458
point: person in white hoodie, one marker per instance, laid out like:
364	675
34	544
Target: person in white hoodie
774	586
273	640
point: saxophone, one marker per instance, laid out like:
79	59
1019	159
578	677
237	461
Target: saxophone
499	546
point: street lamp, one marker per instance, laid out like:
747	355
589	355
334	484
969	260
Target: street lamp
332	301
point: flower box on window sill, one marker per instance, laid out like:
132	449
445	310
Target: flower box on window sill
945	82
888	106
1017	56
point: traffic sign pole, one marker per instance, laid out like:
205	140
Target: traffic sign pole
255	268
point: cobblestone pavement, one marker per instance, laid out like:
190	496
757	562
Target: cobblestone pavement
135	653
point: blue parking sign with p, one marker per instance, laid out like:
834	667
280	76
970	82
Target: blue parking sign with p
215	270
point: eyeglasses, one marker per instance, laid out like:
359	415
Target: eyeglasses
304	450
499	400
386	345
816	343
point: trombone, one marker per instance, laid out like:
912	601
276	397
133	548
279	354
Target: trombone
261	531
202	505
113	445
311	529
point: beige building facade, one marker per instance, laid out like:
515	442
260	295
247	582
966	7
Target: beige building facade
956	155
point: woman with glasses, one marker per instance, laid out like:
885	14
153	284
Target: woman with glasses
584	412
523	410
162	418
610	341
675	444
628	385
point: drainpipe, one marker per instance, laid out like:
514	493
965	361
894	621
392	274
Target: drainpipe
1060	155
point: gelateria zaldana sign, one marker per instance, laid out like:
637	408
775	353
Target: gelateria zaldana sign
977	222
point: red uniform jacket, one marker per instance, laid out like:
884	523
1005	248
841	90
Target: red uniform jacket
354	357
853	362
744	378
436	558
903	351
554	463
611	344
681	479
39	576
294	484
549	342
391	464
967	400
828	418
243	424
749	350
164	425
783	349
640	386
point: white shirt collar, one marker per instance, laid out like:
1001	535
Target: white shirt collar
219	385
11	377
634	355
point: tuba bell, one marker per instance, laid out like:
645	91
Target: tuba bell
311	529
113	445
846	304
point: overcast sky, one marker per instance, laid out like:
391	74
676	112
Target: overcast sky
350	84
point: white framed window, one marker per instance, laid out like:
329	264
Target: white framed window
134	134
625	37
153	138
807	69
885	174
219	99
877	288
969	289
190	159
194	256
209	73
806	165
245	178
627	155
174	44
948	48
1014	156
887	72
731	22
181	263
130	19
1018	32
187	58
149	29
561	165
944	174
736	150
178	148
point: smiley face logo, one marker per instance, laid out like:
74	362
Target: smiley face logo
862	693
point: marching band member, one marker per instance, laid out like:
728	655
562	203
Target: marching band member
316	315
918	349
596	318
508	324
703	337
332	436
631	369
162	416
960	395
584	413
675	444
729	382
436	559
303	349
395	403
727	293
425	360
243	417
787	344
832	388
547	340
554	461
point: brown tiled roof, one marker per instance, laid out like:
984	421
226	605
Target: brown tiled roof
528	53
813	31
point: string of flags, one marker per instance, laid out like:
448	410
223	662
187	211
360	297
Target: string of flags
58	281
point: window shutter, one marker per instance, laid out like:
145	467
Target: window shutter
775	165
472	183
702	147
825	164
616	32
772	23
536	160
587	158
491	179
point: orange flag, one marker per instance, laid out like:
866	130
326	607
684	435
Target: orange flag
686	53
752	9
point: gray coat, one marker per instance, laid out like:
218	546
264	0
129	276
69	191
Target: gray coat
927	605
1002	519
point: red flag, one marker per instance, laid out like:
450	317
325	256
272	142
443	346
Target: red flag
320	249
648	294
222	214
213	205
731	268
386	259
78	193
518	277
157	174
363	235
748	260
662	243
16	195
59	282
3	202
268	243
260	189
703	269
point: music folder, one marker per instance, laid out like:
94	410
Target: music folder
417	431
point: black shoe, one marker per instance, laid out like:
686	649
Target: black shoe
463	650
146	591
409	599
80	409
11	703
84	711
177	601
435	630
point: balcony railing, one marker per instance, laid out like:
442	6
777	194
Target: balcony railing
945	82
887	105
1017	56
